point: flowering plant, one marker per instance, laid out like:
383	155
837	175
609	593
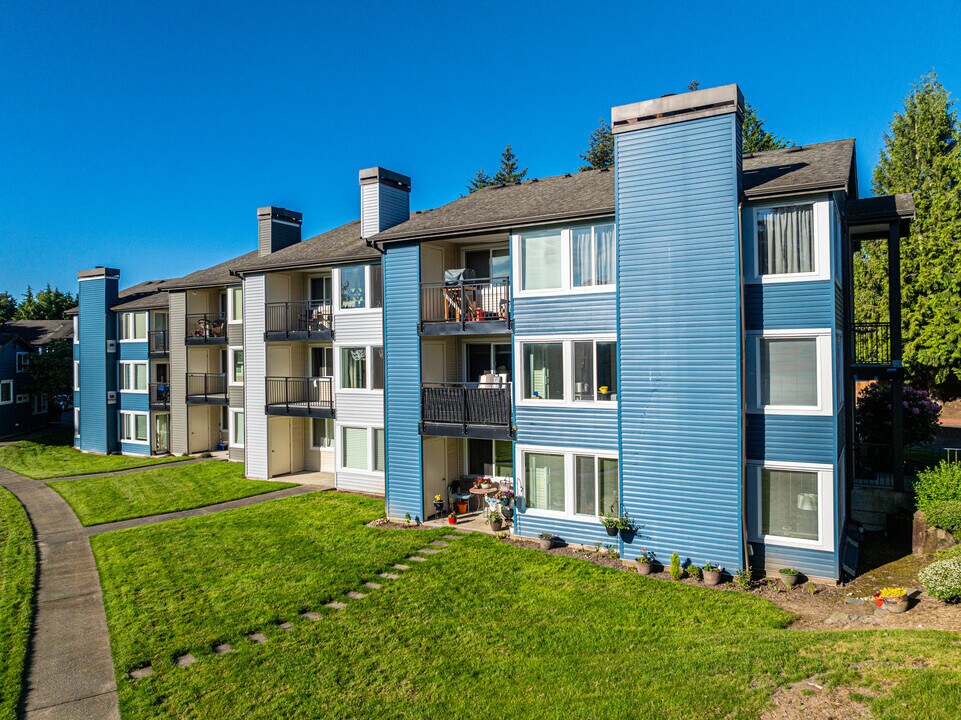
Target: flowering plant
646	556
873	415
505	495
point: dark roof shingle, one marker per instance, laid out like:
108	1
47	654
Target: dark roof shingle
39	332
341	244
824	166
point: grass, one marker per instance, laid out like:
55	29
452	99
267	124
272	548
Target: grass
53	456
161	490
17	571
483	629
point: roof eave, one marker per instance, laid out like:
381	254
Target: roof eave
294	264
798	189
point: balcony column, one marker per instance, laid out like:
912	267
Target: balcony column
896	370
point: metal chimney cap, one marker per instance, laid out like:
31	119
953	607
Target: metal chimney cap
377	174
279	213
677	108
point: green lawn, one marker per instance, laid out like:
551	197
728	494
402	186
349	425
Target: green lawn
17	569
483	629
53	456
161	490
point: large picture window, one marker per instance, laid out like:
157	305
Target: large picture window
578	484
579	259
789	372
133	326
353	368
793	504
546	481
595	485
133	376
595	371
236	366
785	240
355	448
570	371
353	287
541	254
543	371
133	427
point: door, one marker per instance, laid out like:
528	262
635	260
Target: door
161	426
321	292
435	472
321	361
278	361
198	423
434	362
162	373
278	429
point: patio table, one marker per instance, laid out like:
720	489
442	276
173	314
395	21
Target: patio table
482	493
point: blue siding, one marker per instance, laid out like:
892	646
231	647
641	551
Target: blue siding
818	563
791	438
134	448
571	531
679	317
567	427
593	313
132	350
134	401
790	305
404	484
98	368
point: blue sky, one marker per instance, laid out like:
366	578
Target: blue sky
144	136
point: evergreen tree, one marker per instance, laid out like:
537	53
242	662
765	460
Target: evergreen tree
600	148
51	371
508	173
48	304
755	137
480	180
922	155
8	306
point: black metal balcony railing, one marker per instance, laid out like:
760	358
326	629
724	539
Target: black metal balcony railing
300	396
872	343
159	396
206	328
300	320
207	388
473	409
157	342
476	305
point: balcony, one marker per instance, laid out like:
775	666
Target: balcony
872	344
206	329
157	344
465	306
474	410
300	396
159	396
206	388
304	320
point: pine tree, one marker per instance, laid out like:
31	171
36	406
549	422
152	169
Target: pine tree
48	304
922	155
480	180
755	137
8	307
508	173
600	148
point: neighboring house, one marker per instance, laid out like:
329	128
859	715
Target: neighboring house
669	340
40	333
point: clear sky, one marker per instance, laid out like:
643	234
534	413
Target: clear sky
145	135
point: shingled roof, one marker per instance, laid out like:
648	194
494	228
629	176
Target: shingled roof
214	276
39	332
142	296
339	245
824	166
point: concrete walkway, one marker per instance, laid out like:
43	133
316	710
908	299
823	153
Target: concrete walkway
69	667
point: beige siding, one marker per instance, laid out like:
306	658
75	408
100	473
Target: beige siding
255	362
178	372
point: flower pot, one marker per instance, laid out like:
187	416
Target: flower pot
896	604
497	525
546	543
643	568
451	521
461	507
711	577
789	580
438	506
612	531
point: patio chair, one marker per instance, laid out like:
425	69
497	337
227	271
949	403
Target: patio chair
456	492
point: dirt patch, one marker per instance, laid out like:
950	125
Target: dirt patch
808	700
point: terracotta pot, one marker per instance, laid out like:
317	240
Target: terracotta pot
497	525
789	580
451	521
643	568
461	508
712	577
896	604
546	544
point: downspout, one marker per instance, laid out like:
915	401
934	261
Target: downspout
745	546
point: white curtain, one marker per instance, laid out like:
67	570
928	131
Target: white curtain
541	261
605	254
786	240
582	253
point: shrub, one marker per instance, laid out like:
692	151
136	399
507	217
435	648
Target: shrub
693	571
942	580
937	485
742	578
873	416
951	553
945	515
676	570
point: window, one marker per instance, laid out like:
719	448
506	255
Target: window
789	372
320	290
235	304
541	260
39	406
236	366
353	287
377	368
376	286
321	362
23	398
76	422
353	368
236	428
546	483
793	505
355	448
489	263
490	458
592	256
380	450
6	392
23	362
322	433
133	376
595	371
543	371
76	329
133	326
76	374
595	485
133	427
785	240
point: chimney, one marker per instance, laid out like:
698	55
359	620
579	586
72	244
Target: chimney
277	228
384	200
97	354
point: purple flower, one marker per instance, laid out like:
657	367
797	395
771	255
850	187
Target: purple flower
915	411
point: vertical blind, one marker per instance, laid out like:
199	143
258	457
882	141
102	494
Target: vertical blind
785	239
355	448
545	481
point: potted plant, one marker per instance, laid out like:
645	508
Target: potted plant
497	521
789	576
546	540
894	599
461	507
438	503
693	572
645	561
452	519
712	574
506	497
611	520
482	482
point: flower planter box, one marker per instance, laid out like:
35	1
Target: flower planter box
711	577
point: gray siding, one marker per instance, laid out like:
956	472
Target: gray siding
235	334
178	373
362	409
382	207
235	396
255	369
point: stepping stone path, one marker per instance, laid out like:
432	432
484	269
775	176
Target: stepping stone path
429	551
389	576
335	605
310	615
223	649
453	537
258	638
354	595
401	567
285	626
185	660
440	543
141	673
417	558
372	585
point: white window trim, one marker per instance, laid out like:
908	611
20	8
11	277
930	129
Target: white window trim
520	463
825	372
335	291
568	354
76	329
120	379
339	448
231	351
826	502
230	305
333	440
76	375
22	364
76	422
122	320
338	371
44	405
10	401
822	242
231	422
133	413
567	270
